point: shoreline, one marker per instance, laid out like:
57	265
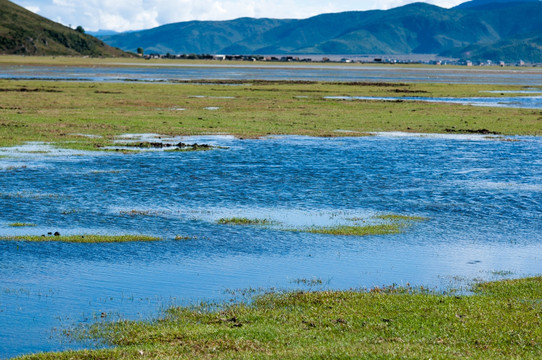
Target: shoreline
389	320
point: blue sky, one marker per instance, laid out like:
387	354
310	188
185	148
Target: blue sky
123	15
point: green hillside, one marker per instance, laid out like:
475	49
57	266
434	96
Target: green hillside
502	29
198	37
23	32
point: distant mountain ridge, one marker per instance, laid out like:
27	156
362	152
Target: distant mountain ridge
23	32
506	30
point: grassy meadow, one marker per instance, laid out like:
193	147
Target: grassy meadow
65	112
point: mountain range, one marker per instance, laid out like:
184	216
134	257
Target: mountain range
25	33
507	30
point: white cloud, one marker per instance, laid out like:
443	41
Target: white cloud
123	15
34	9
65	4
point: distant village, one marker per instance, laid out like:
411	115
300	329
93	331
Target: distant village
361	59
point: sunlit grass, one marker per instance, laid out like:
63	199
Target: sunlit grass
77	110
387	224
352	230
81	238
21	224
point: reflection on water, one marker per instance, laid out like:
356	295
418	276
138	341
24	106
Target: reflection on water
482	196
171	73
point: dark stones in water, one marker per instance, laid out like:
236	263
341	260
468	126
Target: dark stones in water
471	131
178	146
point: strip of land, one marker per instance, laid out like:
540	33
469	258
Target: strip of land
80	238
501	320
67	112
138	62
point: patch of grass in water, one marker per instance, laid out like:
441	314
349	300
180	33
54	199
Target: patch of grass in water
29	195
499	321
21	224
185	238
135	212
308	282
356	219
395	217
106	171
502	273
82	238
353	230
243	221
389	224
11	168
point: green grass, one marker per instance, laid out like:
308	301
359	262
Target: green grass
392	224
243	221
353	230
501	320
21	224
81	238
60	112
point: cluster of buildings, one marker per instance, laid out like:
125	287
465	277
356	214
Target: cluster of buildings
363	59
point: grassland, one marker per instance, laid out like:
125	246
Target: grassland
81	238
66	112
501	320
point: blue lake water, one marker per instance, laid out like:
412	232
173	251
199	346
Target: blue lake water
312	72
482	197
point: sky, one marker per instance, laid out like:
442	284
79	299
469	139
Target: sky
125	15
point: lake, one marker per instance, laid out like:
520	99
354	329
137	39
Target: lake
155	72
481	196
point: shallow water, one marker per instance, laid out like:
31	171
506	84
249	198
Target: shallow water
311	72
519	102
482	196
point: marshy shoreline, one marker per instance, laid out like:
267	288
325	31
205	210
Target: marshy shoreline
499	320
316	186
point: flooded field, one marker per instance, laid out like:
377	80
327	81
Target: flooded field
478	200
155	72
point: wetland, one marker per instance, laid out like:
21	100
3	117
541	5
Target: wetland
283	185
